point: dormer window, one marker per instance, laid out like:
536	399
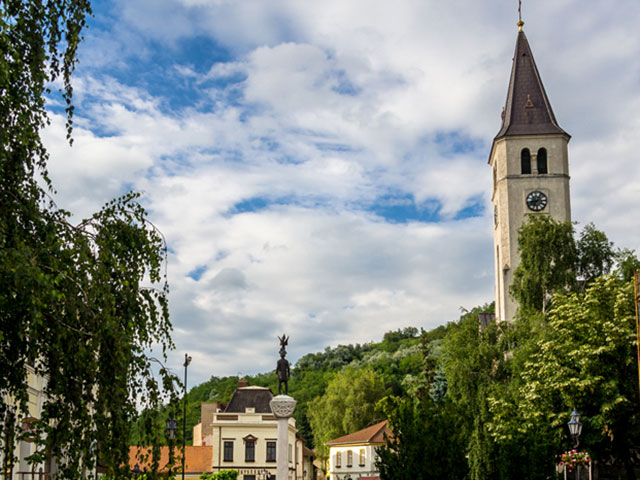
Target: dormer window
525	161
542	161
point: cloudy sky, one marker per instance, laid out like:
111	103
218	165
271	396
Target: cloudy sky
320	167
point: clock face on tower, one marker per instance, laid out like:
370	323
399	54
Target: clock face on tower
536	201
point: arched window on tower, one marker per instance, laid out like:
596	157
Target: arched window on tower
542	160
525	161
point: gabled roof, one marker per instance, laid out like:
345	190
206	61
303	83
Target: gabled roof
250	397
197	459
527	110
373	434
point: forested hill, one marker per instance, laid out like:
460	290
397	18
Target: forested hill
392	366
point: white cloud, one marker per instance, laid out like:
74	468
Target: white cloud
319	108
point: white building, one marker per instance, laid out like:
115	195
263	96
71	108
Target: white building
353	456
22	469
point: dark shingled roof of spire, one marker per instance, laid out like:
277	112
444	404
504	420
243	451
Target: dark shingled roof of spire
528	110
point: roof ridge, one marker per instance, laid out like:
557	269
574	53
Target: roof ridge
372	431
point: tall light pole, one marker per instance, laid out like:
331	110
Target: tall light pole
187	361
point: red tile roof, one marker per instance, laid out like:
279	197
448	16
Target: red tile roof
373	434
198	459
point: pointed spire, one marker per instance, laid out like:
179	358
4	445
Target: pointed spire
528	110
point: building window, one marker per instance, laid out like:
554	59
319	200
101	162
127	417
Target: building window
362	457
271	451
349	458
542	161
250	451
338	459
495	179
228	451
525	161
248	477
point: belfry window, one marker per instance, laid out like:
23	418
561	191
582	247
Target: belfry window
542	161
525	161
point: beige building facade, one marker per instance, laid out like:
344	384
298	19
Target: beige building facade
244	435
530	169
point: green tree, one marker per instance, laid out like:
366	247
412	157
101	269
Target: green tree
548	258
80	304
348	405
595	254
586	359
474	362
221	475
427	442
626	263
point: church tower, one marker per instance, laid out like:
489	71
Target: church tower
529	166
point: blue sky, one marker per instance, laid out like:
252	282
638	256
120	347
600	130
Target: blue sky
320	168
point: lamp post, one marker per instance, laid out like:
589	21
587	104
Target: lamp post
575	429
187	361
172	426
170	433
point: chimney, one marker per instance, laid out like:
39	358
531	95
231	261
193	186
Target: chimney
243	383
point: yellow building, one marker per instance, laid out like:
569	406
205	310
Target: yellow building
244	435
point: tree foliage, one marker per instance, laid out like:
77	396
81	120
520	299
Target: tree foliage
548	258
348	405
221	475
627	263
426	444
595	254
586	359
80	304
515	384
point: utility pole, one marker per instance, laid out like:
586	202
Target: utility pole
636	298
187	361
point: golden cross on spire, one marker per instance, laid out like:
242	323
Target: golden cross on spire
520	22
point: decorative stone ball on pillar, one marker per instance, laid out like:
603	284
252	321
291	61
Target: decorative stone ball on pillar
283	406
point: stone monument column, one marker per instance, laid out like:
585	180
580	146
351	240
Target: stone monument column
282	407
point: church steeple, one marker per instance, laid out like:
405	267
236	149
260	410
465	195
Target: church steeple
527	110
529	162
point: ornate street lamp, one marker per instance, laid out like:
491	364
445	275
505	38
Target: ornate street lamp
575	427
172	426
170	433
